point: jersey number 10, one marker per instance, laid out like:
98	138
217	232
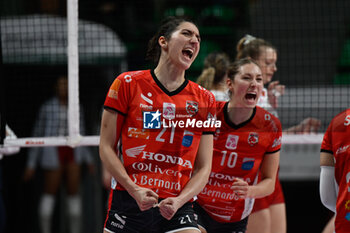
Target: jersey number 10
231	159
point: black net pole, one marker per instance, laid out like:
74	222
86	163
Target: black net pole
2	97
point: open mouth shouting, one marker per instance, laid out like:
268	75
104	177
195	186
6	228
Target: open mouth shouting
251	97
188	53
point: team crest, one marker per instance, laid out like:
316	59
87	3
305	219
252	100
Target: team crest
191	107
231	142
253	138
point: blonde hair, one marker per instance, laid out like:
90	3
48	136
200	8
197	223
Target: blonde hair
215	69
250	46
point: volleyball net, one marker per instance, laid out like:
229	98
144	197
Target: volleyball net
37	50
313	42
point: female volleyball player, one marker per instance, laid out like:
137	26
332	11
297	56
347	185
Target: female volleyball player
161	167
335	170
269	213
248	140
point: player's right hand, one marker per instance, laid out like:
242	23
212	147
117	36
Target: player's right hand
240	187
145	198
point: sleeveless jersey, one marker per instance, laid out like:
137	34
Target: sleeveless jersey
238	152
337	142
161	131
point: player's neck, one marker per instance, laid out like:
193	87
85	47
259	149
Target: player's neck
170	77
238	115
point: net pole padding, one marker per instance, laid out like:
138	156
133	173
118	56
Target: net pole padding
50	141
74	136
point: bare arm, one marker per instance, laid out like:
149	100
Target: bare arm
199	179
145	198
308	125
266	186
326	159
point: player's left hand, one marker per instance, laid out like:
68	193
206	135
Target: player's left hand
275	90
168	207
240	188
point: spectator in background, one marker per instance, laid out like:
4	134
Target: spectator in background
58	163
5	151
269	213
335	170
214	75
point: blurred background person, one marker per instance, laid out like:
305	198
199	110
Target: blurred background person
214	75
58	163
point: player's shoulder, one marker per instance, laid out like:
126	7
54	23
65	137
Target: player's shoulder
267	118
263	113
342	119
220	105
130	76
202	91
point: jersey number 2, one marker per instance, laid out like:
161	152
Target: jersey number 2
185	219
172	133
